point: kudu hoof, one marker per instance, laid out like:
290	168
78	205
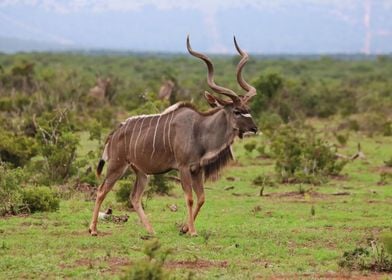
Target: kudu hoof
92	232
184	229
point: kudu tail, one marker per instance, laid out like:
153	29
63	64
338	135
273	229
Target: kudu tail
101	163
103	159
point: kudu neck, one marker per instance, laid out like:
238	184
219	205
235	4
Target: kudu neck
220	130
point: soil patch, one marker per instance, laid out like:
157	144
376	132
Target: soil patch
113	262
197	264
298	195
332	275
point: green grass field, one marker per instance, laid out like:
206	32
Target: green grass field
241	235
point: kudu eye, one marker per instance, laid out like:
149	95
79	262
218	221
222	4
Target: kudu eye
237	112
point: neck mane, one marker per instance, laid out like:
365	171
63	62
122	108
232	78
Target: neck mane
182	104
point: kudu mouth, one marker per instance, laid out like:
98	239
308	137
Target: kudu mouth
242	133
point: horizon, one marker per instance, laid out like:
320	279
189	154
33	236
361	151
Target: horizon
303	27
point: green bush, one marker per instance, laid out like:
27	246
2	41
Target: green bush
373	257
152	267
160	184
16	149
124	190
250	146
10	189
388	163
301	157
57	145
269	123
40	199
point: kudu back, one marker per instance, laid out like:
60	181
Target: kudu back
197	144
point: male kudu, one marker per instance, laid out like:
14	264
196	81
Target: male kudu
197	144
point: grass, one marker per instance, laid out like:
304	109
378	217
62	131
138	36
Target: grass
241	235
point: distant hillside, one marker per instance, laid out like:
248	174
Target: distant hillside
13	45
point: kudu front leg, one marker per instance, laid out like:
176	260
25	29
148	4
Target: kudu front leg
114	172
187	182
101	194
197	185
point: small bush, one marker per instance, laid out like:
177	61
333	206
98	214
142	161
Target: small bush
10	189
388	163
301	157
263	181
40	199
385	178
342	138
160	184
386	239
57	145
16	149
373	257
123	192
250	146
269	122
152	267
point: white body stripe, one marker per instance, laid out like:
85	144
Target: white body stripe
148	129
132	133
155	135
125	136
137	138
164	134
170	146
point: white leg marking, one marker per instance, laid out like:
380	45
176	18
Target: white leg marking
155	135
137	138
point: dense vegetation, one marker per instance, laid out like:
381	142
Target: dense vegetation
53	125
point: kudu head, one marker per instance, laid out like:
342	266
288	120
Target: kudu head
237	108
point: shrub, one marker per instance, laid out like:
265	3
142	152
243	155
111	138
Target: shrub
342	138
385	178
264	180
373	257
269	123
386	239
302	157
150	268
40	199
388	163
160	184
57	145
10	189
124	191
250	146
16	149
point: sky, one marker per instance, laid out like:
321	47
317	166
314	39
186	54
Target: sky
261	26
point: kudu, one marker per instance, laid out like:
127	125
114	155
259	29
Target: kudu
196	144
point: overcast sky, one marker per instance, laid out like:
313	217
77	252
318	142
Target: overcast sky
261	26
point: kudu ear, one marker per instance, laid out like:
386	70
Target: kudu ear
215	101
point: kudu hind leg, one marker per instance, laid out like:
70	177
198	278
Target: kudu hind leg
136	200
112	176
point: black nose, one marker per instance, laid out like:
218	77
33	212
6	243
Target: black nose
254	129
